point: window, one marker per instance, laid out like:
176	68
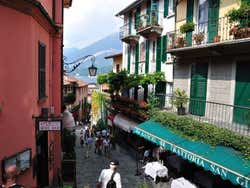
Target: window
41	71
171	7
154	49
117	68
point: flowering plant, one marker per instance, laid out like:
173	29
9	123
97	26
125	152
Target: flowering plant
199	37
240	32
179	42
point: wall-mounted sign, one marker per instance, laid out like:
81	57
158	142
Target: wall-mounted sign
22	160
49	125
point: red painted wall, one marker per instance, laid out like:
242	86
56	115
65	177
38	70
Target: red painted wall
19	36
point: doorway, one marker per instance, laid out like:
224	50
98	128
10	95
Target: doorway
42	159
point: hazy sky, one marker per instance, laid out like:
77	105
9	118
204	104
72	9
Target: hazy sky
90	20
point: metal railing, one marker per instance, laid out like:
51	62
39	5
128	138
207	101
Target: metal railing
154	18
232	117
126	30
212	31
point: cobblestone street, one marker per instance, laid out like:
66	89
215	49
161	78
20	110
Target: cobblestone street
88	169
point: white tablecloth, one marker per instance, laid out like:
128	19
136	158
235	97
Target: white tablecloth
182	183
155	169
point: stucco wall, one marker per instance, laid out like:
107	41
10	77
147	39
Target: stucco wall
182	72
19	37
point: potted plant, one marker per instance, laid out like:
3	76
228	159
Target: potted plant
240	16
238	32
217	38
179	42
199	37
187	27
180	99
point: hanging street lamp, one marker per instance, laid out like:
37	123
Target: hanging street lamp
72	66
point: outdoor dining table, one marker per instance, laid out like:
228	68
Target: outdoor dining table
155	169
182	183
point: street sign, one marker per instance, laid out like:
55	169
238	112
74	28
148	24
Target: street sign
49	125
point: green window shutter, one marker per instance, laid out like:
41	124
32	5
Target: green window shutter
136	58
213	18
147	57
148	12
164	48
129	56
158	54
160	91
198	89
166	2
137	17
242	93
130	23
154	11
190	13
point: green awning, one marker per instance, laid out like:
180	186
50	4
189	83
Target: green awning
222	161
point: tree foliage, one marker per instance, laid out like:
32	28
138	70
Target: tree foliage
118	82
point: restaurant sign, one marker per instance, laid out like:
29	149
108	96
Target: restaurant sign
212	166
49	125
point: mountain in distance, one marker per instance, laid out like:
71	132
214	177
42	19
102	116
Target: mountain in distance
109	45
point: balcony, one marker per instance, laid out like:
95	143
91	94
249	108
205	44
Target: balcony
127	36
130	107
234	118
215	37
150	25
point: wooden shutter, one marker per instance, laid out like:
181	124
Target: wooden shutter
147	56
166	4
130	24
164	49
190	12
213	19
136	58
158	55
154	11
198	90
160	91
242	93
137	17
148	12
41	70
129	57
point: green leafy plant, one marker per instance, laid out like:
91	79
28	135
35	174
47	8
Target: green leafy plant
70	98
240	15
143	185
187	27
68	142
102	78
204	132
180	98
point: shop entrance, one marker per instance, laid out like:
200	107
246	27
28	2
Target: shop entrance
42	159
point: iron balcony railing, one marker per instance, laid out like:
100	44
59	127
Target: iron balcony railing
232	117
153	18
212	31
126	30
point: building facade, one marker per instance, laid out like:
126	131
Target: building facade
211	64
79	89
30	85
147	31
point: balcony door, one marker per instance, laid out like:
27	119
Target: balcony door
242	94
198	89
203	17
213	19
